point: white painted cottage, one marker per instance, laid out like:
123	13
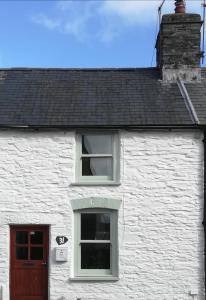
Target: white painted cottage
102	177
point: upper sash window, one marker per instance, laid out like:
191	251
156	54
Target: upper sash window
97	158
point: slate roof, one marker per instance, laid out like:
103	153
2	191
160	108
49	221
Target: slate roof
95	97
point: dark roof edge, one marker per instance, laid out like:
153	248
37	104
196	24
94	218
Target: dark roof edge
100	127
82	68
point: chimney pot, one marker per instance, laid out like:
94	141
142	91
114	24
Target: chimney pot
179	6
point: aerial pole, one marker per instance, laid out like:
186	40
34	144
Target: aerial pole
203	31
160	11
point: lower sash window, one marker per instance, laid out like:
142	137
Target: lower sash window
96	250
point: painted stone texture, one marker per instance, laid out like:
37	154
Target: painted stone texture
160	218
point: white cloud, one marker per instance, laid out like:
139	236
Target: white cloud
131	12
141	12
104	20
47	22
72	18
77	18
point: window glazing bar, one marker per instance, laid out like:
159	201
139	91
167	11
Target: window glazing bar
95	242
96	155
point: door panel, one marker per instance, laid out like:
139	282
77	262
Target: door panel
29	263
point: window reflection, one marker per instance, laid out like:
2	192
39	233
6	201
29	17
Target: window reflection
21	237
36	237
95	226
21	253
95	256
97	144
36	253
96	166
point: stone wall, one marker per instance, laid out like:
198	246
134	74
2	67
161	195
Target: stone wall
161	240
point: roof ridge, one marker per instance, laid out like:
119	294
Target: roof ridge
76	69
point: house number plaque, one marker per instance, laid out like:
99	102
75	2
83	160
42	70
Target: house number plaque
61	240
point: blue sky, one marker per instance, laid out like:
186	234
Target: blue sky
99	33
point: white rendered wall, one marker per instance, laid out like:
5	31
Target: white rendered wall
160	231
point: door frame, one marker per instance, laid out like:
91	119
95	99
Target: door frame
27	226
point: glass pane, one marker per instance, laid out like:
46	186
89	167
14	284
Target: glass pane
22	237
36	237
36	253
97	144
96	166
21	253
95	256
95	226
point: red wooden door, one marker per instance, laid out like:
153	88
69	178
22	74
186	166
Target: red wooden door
29	263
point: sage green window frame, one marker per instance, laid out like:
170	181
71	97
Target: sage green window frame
96	274
115	155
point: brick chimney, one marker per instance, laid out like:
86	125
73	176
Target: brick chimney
178	45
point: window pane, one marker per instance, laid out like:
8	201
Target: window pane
96	166
21	253
95	226
36	253
95	256
36	237
22	237
97	144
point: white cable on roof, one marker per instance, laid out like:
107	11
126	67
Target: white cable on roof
187	100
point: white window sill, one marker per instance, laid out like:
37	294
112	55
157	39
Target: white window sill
86	183
98	278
